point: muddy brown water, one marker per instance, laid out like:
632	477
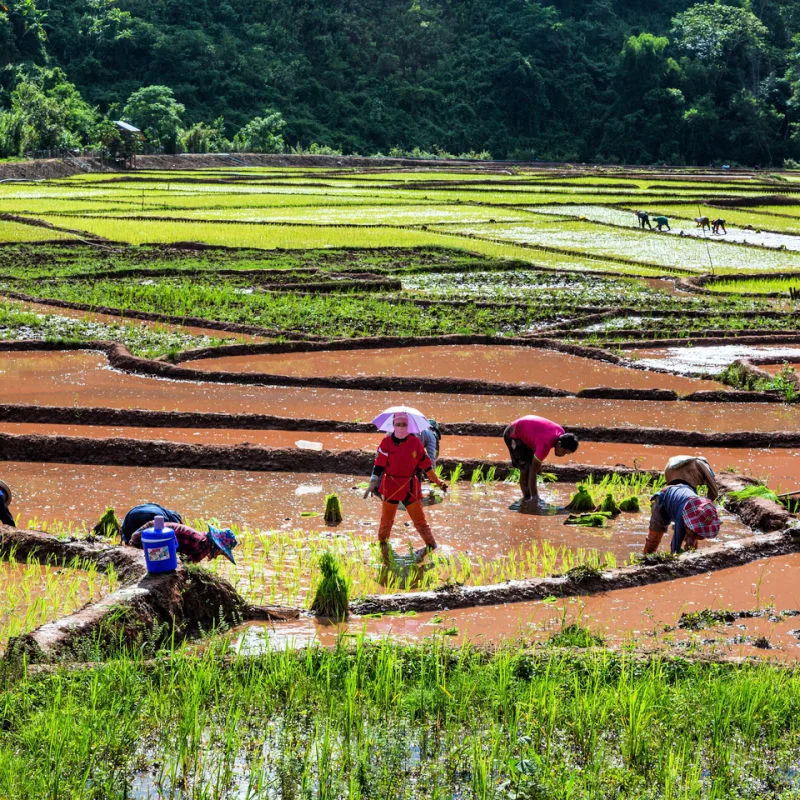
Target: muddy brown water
627	616
780	468
774	369
498	363
83	378
478	521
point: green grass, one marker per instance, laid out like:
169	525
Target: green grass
391	721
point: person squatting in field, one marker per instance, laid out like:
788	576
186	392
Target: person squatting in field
394	480
529	441
6	516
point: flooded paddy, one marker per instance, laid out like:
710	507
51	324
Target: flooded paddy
508	364
32	594
479	521
645	616
708	359
84	379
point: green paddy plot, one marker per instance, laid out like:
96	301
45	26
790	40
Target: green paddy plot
670	252
19	232
756	286
756	216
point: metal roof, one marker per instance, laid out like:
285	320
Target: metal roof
126	126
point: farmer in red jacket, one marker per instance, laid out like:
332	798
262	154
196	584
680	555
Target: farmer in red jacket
394	480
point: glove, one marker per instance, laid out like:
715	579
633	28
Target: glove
373	488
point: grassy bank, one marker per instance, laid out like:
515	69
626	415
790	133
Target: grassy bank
387	721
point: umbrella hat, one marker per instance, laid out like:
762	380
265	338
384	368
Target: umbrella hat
701	518
224	539
417	421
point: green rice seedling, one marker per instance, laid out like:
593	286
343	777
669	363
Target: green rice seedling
477	475
609	505
581	500
630	504
753	491
108	526
333	509
455	474
513	476
331	597
595	519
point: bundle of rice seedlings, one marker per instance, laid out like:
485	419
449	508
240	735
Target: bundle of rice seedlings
108	526
596	519
333	509
630	504
753	491
581	500
609	504
331	599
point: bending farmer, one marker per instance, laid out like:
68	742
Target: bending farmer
661	223
5	499
529	440
691	471
194	545
694	518
394	480
644	219
139	516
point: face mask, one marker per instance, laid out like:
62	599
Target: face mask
401	432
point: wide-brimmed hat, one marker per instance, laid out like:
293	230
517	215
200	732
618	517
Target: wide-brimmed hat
701	518
224	539
6	490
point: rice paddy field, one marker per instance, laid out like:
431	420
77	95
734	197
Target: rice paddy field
195	337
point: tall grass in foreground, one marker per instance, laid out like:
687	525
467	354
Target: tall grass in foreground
390	721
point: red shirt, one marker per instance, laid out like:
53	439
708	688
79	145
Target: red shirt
401	459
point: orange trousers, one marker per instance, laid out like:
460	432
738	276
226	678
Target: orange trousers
388	513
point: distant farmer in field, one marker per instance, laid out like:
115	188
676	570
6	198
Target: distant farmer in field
694	518
716	224
702	222
661	223
529	441
394	480
692	471
644	219
5	500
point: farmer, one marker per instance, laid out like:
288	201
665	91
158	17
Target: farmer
702	222
644	219
5	499
430	438
716	224
694	518
529	440
194	545
692	471
661	223
394	480
141	515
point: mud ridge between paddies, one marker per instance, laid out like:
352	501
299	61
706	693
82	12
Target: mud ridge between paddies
140	418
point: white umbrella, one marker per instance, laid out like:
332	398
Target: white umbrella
417	421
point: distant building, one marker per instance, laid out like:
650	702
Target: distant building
126	143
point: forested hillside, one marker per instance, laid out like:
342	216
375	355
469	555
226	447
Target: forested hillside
589	80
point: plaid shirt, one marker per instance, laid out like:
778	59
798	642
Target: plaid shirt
192	544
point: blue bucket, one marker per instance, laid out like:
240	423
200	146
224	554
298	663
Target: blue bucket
160	549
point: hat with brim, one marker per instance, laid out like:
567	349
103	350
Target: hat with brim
224	541
701	518
6	490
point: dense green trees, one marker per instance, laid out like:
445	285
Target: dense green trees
579	79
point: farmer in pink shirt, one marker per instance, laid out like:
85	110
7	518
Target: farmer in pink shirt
529	440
